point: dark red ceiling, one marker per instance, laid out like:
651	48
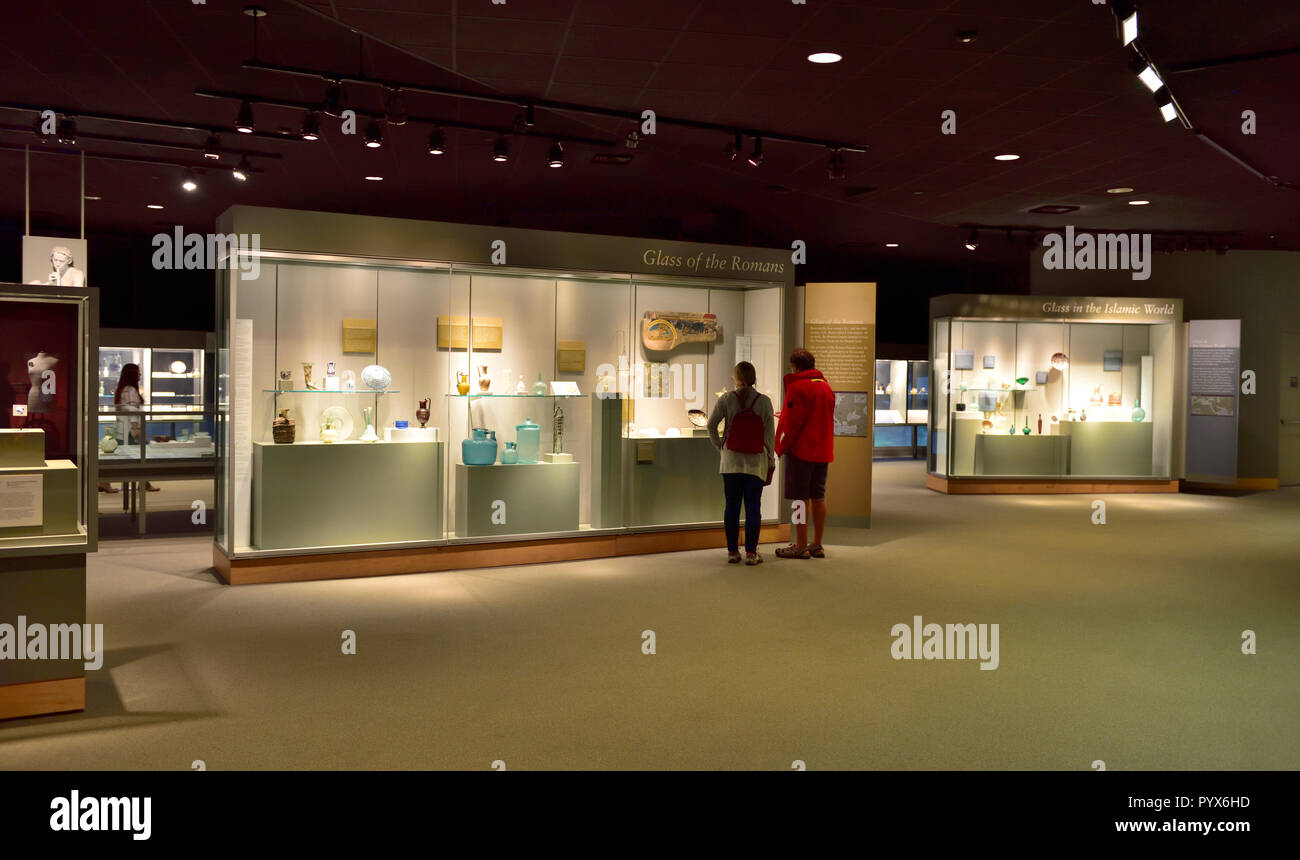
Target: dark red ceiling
1045	78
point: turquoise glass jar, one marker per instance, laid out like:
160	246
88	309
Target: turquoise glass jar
528	437
510	455
479	450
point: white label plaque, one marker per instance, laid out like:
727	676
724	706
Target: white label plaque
22	500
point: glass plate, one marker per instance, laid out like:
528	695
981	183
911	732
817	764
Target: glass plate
342	418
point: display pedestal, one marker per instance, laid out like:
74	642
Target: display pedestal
1109	447
519	499
1040	456
672	480
313	494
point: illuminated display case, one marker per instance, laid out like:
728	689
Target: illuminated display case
412	403
902	398
1058	390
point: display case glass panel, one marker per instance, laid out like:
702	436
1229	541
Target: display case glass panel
1052	399
173	424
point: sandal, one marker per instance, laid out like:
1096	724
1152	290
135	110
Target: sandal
816	551
793	551
733	558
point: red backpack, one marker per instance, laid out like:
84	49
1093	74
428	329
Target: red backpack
745	434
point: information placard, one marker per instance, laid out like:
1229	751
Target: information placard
22	501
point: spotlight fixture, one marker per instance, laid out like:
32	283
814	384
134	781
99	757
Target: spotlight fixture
891	244
733	149
974	241
835	165
241	170
1166	104
824	57
501	150
375	178
189	183
556	158
529	119
67	133
965	37
437	142
1119	189
1149	77
374	135
244	119
756	157
311	126
1126	18
1138	202
153	205
212	147
1006	157
524	120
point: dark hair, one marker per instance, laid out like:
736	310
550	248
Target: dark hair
745	373
801	359
130	377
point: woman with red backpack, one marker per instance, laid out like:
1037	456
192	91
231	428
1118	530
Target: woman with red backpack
748	458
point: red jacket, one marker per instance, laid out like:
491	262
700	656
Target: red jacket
806	427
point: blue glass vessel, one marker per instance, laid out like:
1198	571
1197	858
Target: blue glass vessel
479	450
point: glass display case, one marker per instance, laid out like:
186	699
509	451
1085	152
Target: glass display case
902	398
1067	389
388	406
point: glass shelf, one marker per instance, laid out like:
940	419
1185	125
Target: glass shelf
998	390
315	391
490	394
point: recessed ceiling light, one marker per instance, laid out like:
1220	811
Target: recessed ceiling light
965	37
1120	189
153	206
375	178
824	57
93	197
1138	202
891	244
1006	157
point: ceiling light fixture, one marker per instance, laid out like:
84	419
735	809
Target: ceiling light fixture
501	150
212	147
1119	189
93	197
153	205
835	165
1149	77
974	241
1126	18
733	149
1165	102
824	57
756	157
311	126
334	100
556	158
189	183
244	119
241	170
891	244
67	132
374	135
1006	157
437	142
375	178
965	37
1138	202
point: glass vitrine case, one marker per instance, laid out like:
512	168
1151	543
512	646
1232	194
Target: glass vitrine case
902	398
175	420
1086	396
371	405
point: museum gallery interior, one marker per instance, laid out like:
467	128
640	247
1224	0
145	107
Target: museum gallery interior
367	366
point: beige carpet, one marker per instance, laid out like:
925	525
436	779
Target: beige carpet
1119	642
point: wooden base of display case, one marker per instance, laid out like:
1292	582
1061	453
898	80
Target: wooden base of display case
42	697
984	486
302	568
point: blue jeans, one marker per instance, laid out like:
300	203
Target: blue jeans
747	488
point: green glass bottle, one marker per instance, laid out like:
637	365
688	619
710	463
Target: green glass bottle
1139	414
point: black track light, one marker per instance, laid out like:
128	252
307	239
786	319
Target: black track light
212	147
67	132
244	119
374	135
437	142
242	170
501	150
734	148
756	157
334	100
835	165
556	158
974	241
529	119
311	126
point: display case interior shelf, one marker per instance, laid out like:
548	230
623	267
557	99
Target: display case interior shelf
537	396
340	391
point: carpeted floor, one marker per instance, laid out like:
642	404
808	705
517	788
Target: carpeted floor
1118	642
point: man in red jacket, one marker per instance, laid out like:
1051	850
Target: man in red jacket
805	437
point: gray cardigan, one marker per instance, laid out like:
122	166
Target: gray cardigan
726	408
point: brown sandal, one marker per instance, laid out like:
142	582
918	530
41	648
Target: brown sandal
793	551
816	551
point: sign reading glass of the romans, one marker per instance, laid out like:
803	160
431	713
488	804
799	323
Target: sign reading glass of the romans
843	351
